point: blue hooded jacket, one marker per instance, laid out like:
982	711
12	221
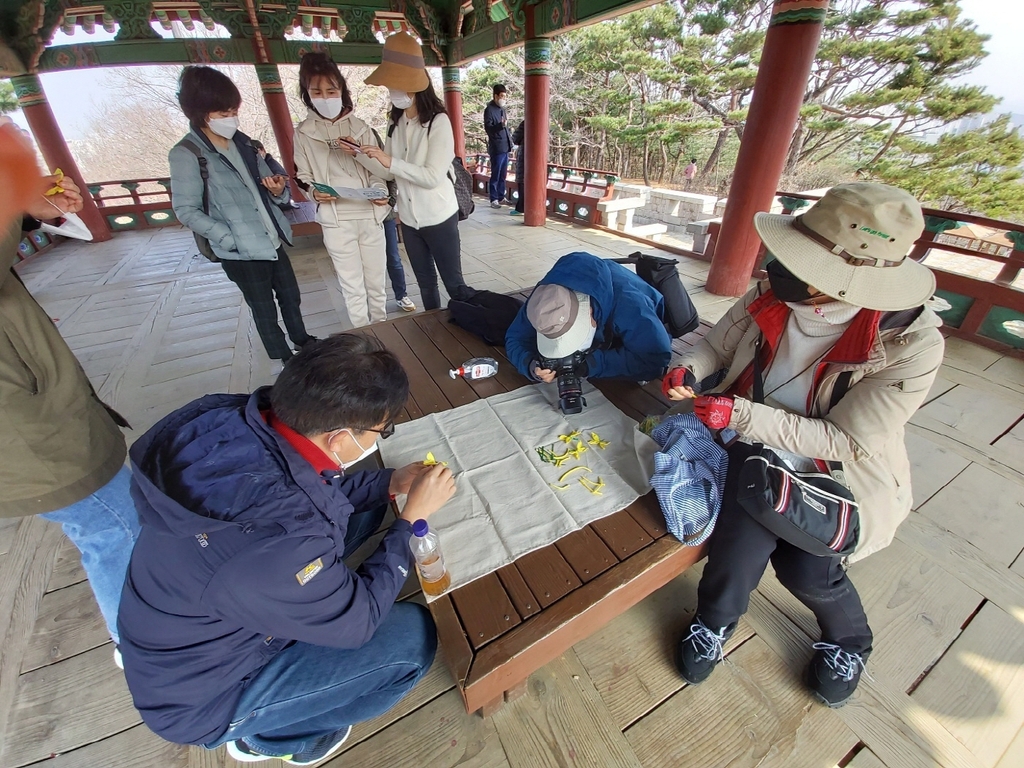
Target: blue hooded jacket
631	340
239	555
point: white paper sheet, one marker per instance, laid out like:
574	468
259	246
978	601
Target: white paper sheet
505	505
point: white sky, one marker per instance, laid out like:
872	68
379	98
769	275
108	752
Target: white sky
73	95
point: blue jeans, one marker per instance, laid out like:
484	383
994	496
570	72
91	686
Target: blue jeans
104	527
499	168
310	691
395	269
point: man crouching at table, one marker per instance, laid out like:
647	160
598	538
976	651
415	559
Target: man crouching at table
240	624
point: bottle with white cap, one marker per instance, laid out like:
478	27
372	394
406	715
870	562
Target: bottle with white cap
477	368
426	548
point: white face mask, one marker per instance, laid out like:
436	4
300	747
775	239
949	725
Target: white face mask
365	452
224	126
328	108
400	99
500	102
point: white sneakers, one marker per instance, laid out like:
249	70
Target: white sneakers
406	304
239	751
495	204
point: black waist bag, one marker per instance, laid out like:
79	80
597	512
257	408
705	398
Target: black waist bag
660	273
485	313
811	510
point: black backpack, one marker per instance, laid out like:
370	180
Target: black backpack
460	178
485	313
660	273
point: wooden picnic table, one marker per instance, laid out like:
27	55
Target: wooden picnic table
496	631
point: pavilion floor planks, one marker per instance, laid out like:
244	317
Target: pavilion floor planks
968	683
756	715
561	721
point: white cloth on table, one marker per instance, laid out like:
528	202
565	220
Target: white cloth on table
505	505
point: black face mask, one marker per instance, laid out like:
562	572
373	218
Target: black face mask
785	285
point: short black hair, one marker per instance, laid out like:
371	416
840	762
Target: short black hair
345	380
498	88
202	90
318	64
693	159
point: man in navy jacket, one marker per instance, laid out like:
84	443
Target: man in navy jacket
596	307
239	622
499	144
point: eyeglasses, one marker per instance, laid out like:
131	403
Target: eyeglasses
385	432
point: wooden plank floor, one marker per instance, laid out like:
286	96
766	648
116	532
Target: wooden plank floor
156	326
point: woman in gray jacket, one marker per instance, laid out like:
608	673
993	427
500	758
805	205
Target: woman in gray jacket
848	353
241	217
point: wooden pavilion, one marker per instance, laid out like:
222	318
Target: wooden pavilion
453	32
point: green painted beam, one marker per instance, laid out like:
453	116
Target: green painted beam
556	16
201	51
552	17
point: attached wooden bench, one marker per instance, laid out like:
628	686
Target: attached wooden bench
496	631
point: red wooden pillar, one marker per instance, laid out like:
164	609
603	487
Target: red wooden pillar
48	136
537	86
452	79
789	49
280	119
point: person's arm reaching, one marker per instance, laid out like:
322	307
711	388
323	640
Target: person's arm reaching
861	423
300	589
440	154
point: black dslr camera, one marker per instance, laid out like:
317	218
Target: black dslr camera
570	388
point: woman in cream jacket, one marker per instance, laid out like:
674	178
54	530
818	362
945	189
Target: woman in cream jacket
353	229
418	155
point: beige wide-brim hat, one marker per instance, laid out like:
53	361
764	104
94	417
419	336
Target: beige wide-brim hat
401	67
852	245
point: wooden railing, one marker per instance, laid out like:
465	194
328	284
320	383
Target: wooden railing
572	193
987	309
134	203
983	306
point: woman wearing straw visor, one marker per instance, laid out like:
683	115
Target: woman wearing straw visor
826	361
418	155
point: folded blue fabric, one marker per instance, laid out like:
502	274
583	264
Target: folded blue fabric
689	477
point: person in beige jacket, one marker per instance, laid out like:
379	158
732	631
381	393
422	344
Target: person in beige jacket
353	229
849	353
418	156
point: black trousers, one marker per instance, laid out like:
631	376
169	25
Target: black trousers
259	282
435	245
739	551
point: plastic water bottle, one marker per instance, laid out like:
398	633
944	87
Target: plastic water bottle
434	577
477	368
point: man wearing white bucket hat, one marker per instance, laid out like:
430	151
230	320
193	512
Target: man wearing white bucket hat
846	353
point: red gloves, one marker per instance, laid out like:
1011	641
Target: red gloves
714	410
677	377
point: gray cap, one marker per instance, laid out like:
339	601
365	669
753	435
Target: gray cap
561	317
